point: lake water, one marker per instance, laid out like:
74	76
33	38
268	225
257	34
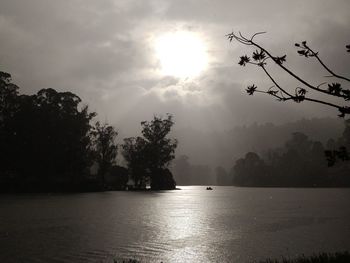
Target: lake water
228	224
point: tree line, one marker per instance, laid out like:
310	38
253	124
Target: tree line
187	173
50	142
301	162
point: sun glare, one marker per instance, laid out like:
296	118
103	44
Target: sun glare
181	54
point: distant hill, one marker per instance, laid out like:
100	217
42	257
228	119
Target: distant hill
223	148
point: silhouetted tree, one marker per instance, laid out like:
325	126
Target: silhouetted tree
249	171
8	97
302	163
45	138
339	151
105	148
162	179
117	177
8	107
134	153
148	156
60	134
260	58
299	163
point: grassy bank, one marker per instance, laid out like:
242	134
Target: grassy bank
339	257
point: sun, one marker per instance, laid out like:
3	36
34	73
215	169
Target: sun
181	54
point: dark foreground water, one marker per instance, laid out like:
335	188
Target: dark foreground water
227	224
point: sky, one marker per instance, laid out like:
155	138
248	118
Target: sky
111	54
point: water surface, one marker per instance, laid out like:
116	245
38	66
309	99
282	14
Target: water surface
228	224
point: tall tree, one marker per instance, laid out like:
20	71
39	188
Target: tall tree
8	97
105	148
8	107
134	153
249	171
149	156
45	137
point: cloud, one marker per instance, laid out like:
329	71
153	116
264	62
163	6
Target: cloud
102	50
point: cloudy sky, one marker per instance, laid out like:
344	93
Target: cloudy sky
117	55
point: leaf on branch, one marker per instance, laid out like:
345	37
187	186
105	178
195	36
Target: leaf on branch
297	44
298	98
272	92
251	89
334	88
311	54
305	53
280	60
346	93
259	55
230	36
343	111
348	48
301	92
243	60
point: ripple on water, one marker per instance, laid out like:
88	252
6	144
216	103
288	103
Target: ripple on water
227	224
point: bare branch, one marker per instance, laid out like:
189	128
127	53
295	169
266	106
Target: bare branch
292	73
260	57
259	33
277	85
323	83
324	102
279	98
315	54
245	41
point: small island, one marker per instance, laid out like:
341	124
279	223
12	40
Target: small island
51	143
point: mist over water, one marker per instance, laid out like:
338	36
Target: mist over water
228	224
80	82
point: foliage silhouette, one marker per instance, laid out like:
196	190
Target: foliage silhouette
117	178
249	171
338	257
134	150
262	56
300	163
49	144
334	154
149	156
105	148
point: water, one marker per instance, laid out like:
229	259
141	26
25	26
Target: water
227	224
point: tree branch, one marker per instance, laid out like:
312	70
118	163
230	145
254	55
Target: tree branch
261	55
250	42
315	54
274	82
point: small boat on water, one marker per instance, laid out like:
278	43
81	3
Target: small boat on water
209	188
